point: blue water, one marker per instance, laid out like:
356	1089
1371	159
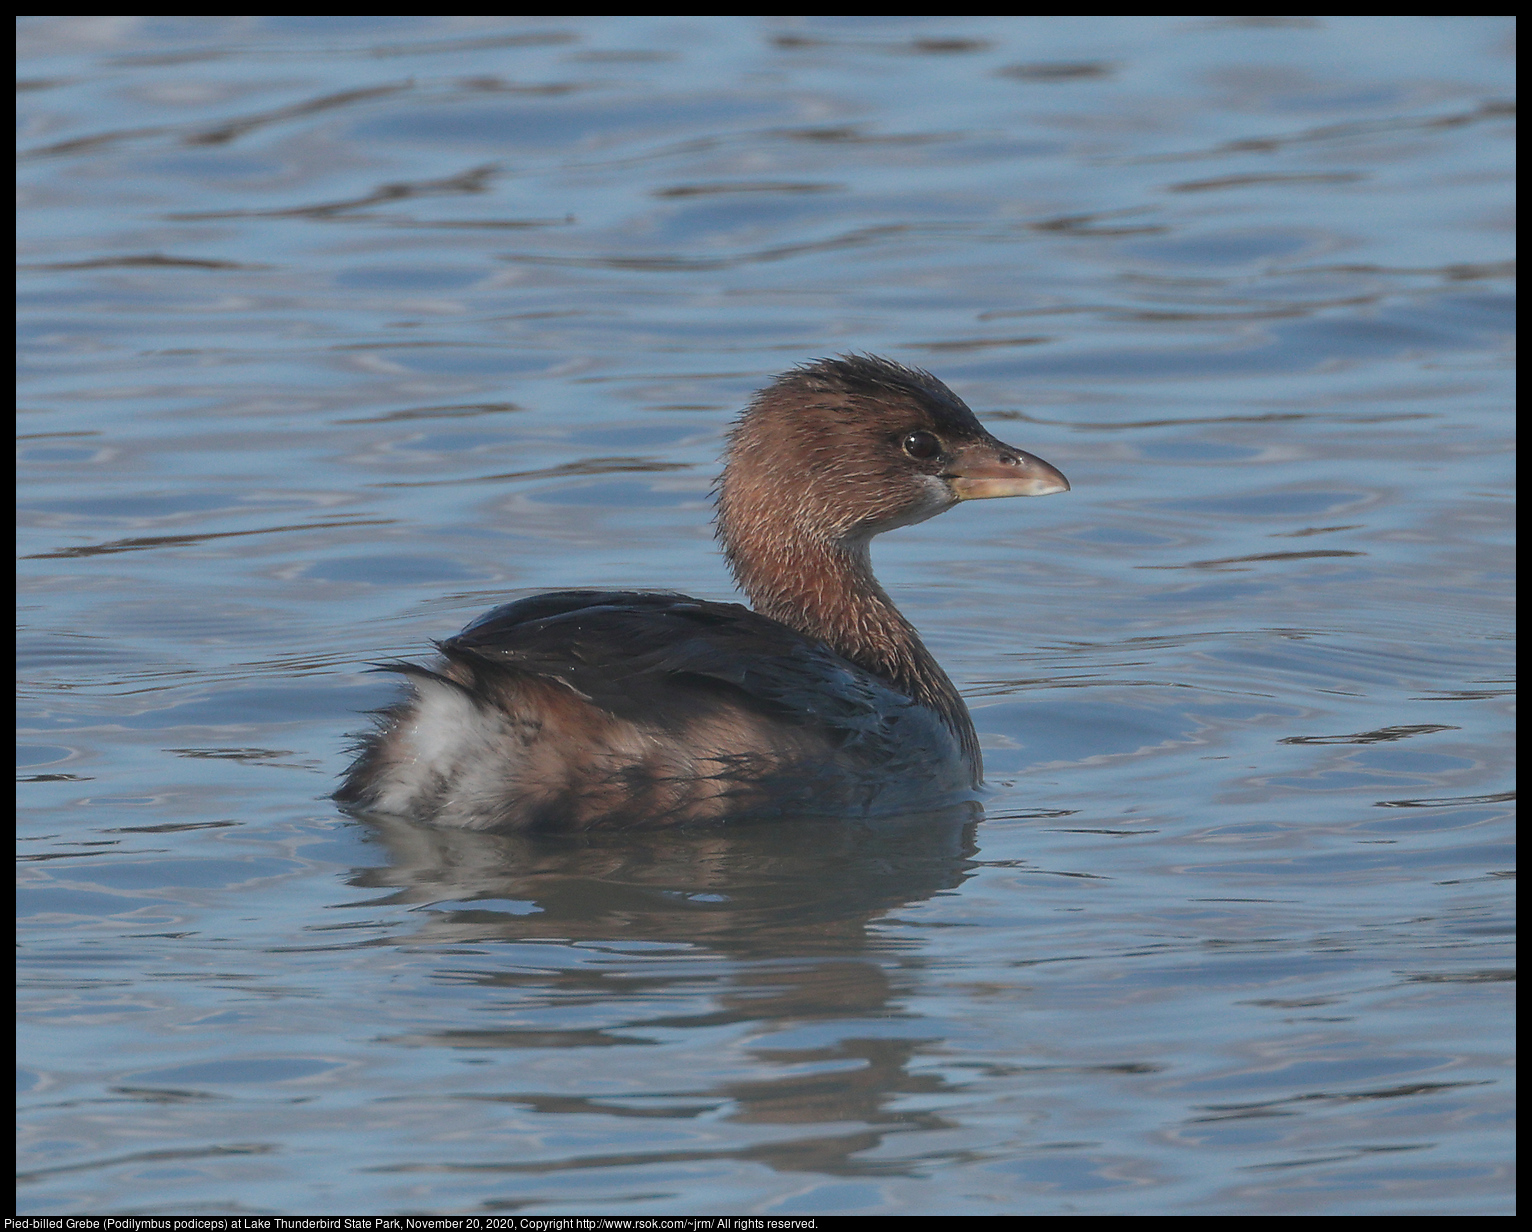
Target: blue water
338	331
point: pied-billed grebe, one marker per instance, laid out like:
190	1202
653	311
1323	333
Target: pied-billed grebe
593	708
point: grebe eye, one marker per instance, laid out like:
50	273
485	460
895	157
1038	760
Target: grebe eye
922	446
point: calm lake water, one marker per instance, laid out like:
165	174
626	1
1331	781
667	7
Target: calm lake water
338	331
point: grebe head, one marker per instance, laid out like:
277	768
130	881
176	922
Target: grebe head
839	450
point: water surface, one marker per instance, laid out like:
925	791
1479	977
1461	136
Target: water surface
337	331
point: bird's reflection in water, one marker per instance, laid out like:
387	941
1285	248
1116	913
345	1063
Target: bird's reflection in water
780	891
617	941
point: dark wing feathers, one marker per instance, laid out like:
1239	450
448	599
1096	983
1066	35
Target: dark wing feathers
645	655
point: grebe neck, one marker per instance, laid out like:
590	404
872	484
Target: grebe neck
825	589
